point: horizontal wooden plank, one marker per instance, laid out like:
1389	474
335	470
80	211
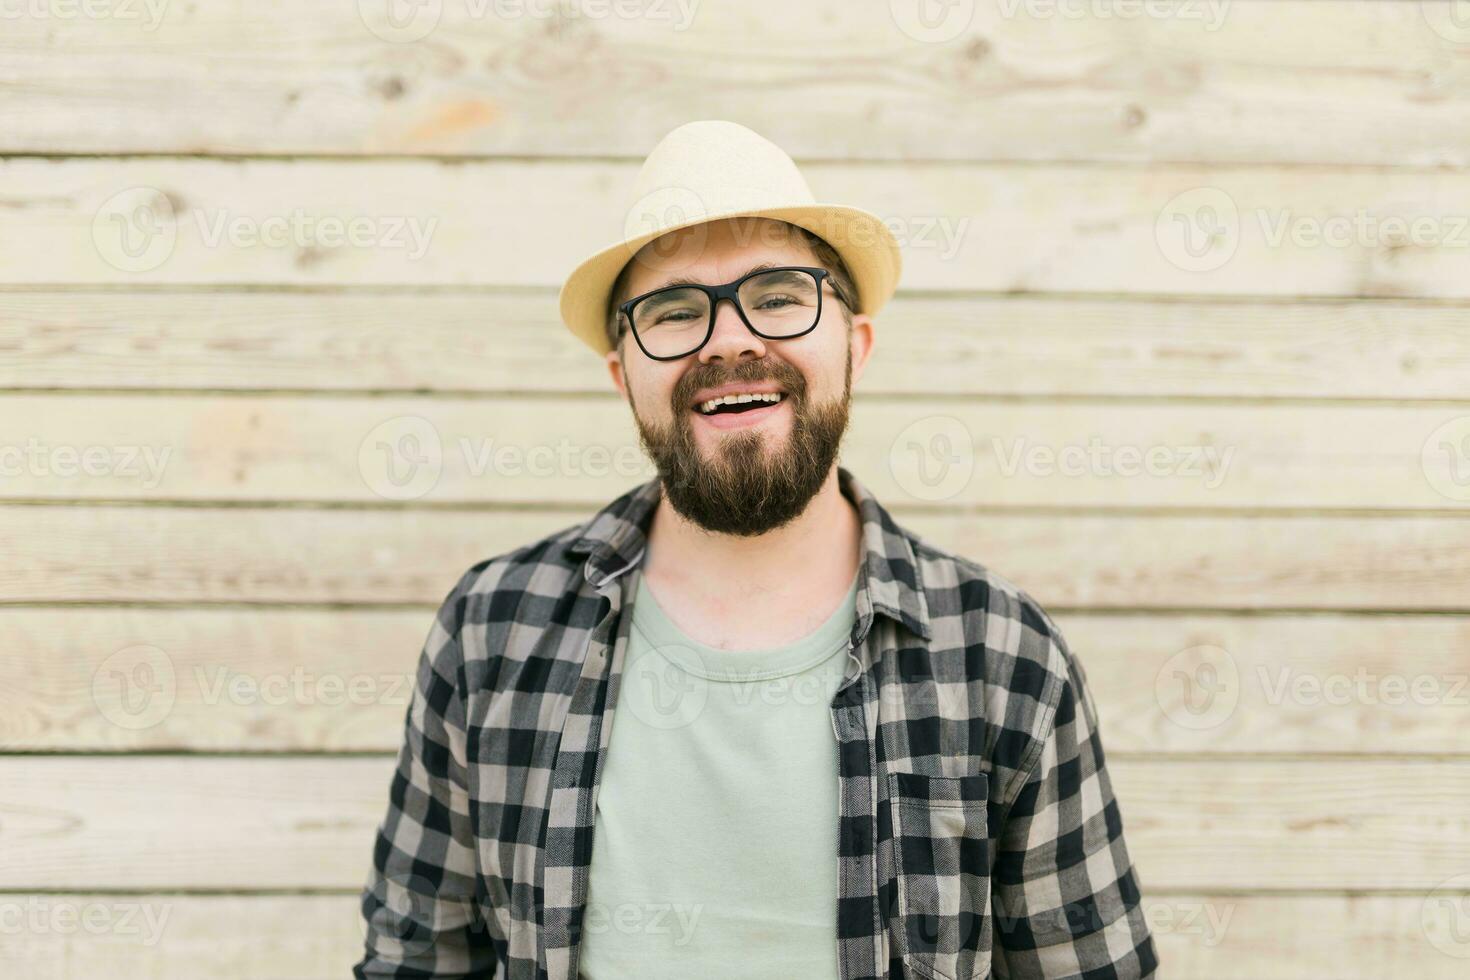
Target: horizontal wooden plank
1291	81
305	937
333	680
925	452
79	554
180	936
1177	230
498	341
175	822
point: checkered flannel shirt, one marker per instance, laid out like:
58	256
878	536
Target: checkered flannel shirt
978	831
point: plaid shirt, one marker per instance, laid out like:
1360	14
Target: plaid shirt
978	831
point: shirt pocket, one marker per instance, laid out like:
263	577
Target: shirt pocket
942	862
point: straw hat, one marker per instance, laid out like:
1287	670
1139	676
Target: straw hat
711	169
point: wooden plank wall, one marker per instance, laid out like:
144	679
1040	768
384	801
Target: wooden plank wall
1231	235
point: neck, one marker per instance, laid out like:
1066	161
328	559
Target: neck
814	553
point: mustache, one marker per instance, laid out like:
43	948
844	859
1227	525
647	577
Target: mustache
751	372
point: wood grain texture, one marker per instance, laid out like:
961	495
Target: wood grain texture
179	822
1160	230
1376	83
260	555
513	341
929	452
303	680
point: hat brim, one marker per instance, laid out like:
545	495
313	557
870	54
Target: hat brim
861	238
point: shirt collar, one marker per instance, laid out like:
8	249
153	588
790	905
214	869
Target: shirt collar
614	538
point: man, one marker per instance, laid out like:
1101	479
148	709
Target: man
740	723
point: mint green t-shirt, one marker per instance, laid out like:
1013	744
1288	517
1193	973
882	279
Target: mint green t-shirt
714	852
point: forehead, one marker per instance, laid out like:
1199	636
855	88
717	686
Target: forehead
716	251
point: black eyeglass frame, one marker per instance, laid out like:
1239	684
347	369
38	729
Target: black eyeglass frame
730	291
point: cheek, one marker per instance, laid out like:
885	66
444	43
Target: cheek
652	396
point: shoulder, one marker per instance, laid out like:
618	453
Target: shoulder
1016	661
968	597
504	605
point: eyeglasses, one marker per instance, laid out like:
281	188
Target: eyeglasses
776	304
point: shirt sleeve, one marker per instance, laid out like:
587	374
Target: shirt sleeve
1065	896
419	909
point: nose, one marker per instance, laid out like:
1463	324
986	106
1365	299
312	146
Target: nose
731	340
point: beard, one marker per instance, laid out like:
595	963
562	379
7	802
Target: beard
746	488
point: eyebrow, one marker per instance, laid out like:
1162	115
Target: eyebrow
687	281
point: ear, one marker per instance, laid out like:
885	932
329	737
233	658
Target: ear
862	339
615	368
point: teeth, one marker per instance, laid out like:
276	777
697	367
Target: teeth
713	403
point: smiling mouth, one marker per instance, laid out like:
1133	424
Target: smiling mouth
737	404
